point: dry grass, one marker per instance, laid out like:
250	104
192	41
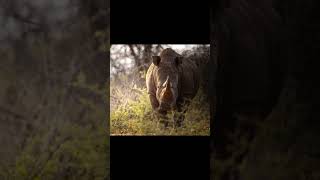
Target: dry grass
131	113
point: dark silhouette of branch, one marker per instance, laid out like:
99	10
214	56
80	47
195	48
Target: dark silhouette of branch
133	53
11	113
18	17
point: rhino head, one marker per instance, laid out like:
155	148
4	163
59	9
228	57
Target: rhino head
167	80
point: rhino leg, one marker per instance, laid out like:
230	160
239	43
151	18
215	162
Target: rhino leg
154	101
161	115
178	119
180	114
164	120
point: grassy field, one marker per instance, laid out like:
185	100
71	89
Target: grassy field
131	114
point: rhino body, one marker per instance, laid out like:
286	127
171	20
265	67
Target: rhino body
171	80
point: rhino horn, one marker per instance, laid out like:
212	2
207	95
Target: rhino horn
167	94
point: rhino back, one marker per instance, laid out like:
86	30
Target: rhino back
189	77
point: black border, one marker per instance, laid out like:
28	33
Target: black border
160	157
163	22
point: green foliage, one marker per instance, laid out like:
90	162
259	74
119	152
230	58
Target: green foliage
68	149
133	115
63	132
75	152
61	147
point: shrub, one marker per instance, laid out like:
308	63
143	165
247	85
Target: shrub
134	116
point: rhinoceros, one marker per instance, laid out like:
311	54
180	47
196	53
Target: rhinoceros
171	81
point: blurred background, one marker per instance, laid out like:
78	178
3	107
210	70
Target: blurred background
137	58
53	89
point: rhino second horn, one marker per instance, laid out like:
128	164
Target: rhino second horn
168	82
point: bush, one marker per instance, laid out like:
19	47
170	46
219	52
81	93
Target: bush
133	115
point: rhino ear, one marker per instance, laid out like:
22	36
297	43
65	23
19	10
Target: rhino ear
178	60
156	60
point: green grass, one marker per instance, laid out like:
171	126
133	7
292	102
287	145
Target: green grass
133	115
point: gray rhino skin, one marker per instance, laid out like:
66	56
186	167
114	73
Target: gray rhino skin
171	79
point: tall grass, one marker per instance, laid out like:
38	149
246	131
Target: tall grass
132	114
